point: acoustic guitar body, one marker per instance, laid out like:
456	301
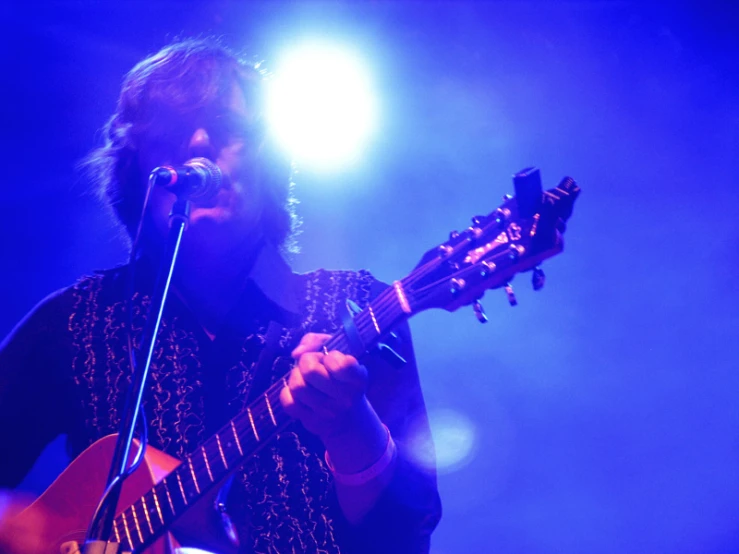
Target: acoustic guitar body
61	515
516	237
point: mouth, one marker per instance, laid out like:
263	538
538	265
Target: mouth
221	198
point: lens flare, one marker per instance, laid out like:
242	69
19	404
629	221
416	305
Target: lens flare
321	106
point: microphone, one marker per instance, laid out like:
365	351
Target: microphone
196	179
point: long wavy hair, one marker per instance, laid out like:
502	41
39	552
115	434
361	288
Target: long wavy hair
186	76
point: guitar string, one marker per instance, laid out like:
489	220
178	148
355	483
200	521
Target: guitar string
385	305
243	428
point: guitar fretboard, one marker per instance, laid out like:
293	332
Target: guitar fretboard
139	525
457	272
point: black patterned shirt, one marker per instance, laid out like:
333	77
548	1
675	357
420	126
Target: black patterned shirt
64	370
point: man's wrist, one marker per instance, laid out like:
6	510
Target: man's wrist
359	443
366	475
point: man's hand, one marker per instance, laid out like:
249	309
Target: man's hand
325	390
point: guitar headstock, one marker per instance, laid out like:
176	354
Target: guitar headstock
516	237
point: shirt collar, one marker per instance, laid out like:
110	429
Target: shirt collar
274	278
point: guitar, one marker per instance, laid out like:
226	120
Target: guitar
167	498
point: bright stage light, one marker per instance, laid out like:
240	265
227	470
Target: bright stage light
321	106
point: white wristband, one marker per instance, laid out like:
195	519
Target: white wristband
365	476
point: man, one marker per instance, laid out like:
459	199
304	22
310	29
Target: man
342	477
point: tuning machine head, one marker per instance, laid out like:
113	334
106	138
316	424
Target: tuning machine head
538	278
510	294
479	312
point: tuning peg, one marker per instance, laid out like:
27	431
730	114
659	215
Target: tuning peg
511	295
479	312
445	250
538	278
487	268
515	251
456	285
501	216
478	219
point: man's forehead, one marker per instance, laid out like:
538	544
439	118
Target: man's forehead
242	97
238	99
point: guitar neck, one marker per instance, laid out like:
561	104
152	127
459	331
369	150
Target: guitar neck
513	238
139	525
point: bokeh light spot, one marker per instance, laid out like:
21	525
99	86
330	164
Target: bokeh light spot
454	441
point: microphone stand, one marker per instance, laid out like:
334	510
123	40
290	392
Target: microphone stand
100	531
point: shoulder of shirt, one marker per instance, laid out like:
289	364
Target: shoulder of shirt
50	314
358	285
111	279
65	294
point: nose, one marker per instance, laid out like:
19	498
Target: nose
201	145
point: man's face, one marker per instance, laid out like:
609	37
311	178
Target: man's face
225	135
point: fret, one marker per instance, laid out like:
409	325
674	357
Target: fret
169	497
156	504
194	478
392	306
136	523
236	436
253	427
269	409
207	464
146	513
370	326
125	528
220	449
115	531
374	320
182	489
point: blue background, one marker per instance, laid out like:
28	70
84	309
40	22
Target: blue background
602	409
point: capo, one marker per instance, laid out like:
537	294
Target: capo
352	333
386	352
